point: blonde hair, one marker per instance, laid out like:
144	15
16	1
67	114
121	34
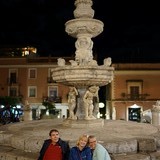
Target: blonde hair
82	137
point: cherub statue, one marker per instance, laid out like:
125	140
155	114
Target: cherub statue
88	99
107	61
72	95
61	62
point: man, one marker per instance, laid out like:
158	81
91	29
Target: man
54	148
99	152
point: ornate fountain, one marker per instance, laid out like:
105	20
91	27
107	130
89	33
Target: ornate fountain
84	73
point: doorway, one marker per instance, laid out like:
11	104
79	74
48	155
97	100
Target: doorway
134	114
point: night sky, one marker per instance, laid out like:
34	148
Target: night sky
131	28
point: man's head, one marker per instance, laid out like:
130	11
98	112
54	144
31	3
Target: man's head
54	135
92	141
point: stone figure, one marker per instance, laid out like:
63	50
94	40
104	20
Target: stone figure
27	111
93	63
88	99
73	63
107	61
156	107
27	106
72	95
61	62
83	53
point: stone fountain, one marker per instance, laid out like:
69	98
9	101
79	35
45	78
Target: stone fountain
83	73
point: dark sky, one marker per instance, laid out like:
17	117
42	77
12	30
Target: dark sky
131	28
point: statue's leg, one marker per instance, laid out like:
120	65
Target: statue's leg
86	110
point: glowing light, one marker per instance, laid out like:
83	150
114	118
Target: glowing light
101	105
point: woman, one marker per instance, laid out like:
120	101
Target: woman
81	151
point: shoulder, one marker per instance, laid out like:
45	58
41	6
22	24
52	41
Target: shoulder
73	149
86	149
100	147
63	143
47	141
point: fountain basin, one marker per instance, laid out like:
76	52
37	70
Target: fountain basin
83	76
93	27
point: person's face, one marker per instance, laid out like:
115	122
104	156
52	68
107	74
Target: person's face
92	143
54	137
83	142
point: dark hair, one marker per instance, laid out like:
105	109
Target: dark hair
53	130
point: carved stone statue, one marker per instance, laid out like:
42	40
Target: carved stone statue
107	61
27	106
61	62
84	47
156	107
72	95
27	112
88	99
73	63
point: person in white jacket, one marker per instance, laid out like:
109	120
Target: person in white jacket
98	151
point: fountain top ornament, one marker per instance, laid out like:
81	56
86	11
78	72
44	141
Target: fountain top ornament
84	71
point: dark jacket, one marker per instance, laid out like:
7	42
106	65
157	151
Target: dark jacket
76	154
64	145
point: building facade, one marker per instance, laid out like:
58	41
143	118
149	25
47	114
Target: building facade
134	90
31	78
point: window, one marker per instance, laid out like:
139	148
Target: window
134	91
32	91
52	91
13	91
32	73
12	76
134	88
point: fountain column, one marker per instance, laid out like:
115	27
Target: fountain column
80	113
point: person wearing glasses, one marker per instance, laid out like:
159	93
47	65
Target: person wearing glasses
98	151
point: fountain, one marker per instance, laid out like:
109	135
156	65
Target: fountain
84	73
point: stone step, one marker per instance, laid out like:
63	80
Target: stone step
23	141
10	153
33	144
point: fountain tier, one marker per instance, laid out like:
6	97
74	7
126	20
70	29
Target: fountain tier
80	76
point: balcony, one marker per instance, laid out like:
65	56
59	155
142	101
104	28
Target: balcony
53	99
12	81
133	97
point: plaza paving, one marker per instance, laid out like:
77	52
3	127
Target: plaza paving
123	140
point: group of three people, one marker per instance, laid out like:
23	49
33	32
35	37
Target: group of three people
86	148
